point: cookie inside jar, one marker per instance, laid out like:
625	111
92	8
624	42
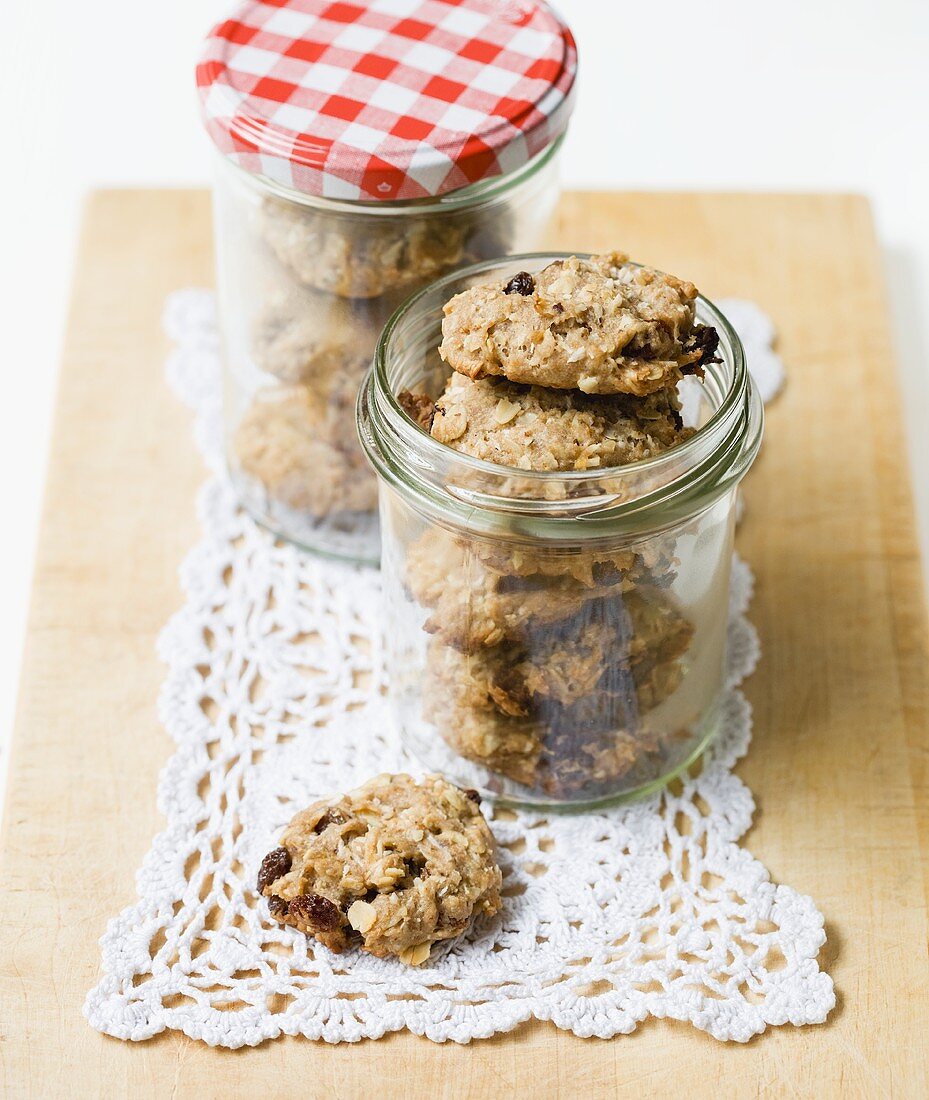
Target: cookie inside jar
557	564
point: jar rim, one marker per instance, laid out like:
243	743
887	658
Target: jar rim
699	469
474	196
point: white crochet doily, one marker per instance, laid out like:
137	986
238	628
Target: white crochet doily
273	698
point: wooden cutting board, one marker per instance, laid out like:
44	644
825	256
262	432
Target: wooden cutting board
839	764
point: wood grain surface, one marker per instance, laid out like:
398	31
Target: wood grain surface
839	765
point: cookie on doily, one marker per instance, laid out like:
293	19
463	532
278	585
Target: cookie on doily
392	867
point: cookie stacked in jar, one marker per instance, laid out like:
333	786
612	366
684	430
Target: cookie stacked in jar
365	149
558	512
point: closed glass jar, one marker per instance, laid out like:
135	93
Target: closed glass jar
363	150
305	285
554	638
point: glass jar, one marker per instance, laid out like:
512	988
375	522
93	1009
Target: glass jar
364	150
554	638
305	285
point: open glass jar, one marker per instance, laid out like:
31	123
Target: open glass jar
364	151
554	638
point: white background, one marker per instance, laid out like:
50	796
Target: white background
799	94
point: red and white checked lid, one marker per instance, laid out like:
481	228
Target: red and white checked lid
386	99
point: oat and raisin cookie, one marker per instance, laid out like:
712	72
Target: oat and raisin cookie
611	650
392	867
601	325
472	606
598	566
478	595
651	563
534	428
294	440
560	759
568	715
361	258
561	706
303	337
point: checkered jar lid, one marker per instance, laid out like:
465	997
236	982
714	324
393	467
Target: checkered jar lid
386	99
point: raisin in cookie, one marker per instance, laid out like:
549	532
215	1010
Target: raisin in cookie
532	428
361	257
392	867
601	326
297	443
